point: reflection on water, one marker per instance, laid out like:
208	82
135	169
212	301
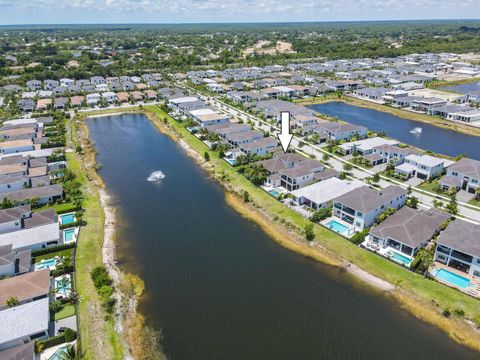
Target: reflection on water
219	287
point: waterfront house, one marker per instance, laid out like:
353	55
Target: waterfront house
458	246
392	154
19	352
16	146
421	166
44	194
26	105
14	262
467	173
338	131
77	101
26	288
259	147
301	174
223	130
323	193
362	206
109	97
23	323
406	231
365	146
93	99
239	138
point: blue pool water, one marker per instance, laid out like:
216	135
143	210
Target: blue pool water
337	227
50	264
63	287
452	278
59	354
400	258
69	235
231	161
274	193
67	218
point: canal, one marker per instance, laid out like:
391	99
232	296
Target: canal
218	287
433	138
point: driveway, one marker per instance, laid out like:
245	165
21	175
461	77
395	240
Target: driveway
464	196
414	182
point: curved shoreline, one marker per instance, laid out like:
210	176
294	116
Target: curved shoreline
458	329
403	114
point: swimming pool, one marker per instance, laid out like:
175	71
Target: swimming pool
67	218
69	235
274	193
59	354
232	162
63	286
452	278
399	257
337	227
46	264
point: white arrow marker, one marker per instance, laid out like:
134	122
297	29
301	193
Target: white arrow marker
285	137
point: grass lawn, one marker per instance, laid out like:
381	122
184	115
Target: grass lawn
67	311
99	338
411	282
67	254
59	208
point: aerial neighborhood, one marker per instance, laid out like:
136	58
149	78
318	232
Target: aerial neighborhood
400	200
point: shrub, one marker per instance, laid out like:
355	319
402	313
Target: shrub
321	214
40	345
52	249
308	230
100	277
70	335
359	237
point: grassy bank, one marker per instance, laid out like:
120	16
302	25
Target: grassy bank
99	338
412	290
433	120
442	83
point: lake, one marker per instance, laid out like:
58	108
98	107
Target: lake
433	138
219	287
473	87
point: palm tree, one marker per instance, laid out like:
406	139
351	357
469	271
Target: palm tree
70	353
12	302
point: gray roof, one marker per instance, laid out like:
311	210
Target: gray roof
24	320
13	214
462	236
42	191
410	226
468	167
366	200
20	352
451	181
41	218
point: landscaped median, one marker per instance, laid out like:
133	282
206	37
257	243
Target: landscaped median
425	298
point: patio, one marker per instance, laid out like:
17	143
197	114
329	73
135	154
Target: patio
388	252
473	288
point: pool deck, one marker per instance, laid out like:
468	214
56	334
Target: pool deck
383	251
47	353
350	229
472	290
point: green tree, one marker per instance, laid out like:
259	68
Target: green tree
246	196
321	214
452	206
347	167
375	178
309	233
412	202
206	156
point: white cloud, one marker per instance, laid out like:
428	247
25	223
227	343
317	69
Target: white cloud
232	10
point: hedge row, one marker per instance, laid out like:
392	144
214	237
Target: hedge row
52	249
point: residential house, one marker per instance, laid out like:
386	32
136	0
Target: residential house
458	246
93	99
338	131
464	174
406	231
14	262
421	166
26	288
301	174
323	193
259	147
24	323
239	138
362	206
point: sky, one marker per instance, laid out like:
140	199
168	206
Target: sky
194	11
